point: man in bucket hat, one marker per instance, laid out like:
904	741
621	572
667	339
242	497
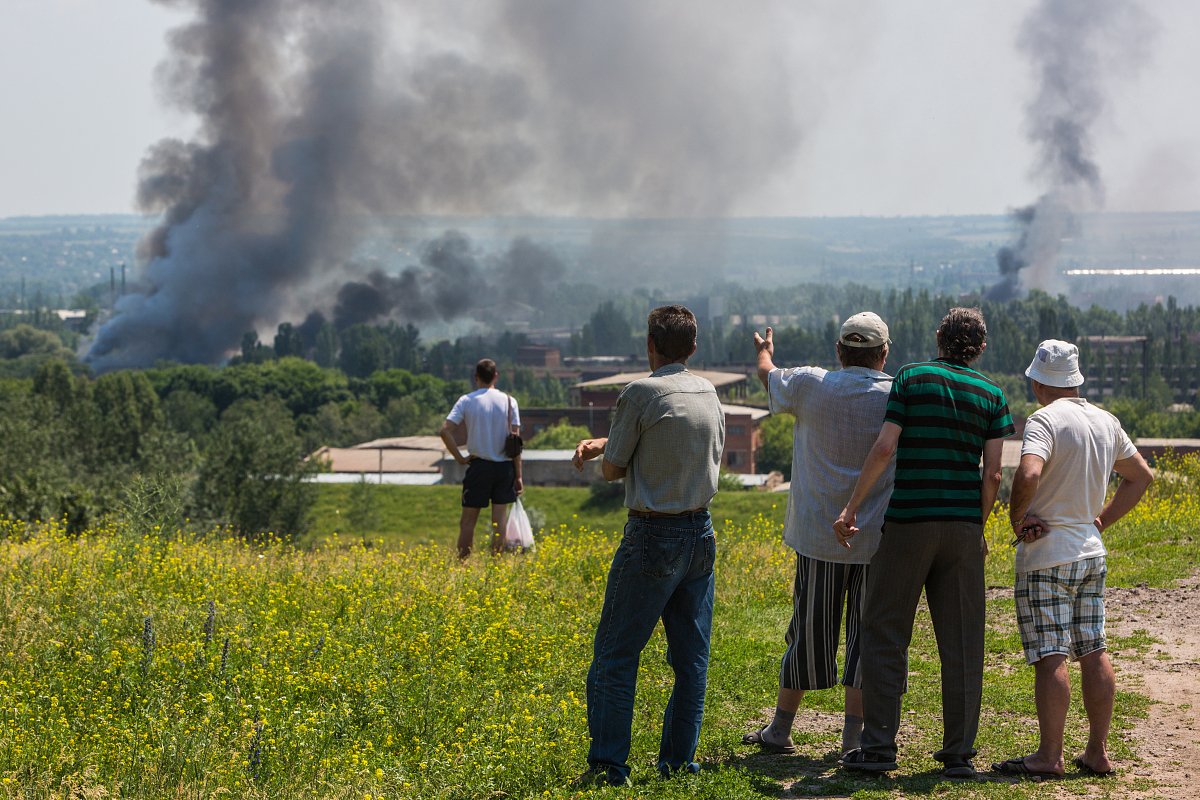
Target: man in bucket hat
1058	513
838	415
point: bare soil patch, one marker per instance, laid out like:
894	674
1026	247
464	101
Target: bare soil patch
1168	740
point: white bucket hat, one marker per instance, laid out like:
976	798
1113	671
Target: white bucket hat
1056	364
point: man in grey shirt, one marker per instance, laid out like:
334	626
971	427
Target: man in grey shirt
838	415
665	440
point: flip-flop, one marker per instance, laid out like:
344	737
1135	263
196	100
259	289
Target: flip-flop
756	737
1018	768
1083	767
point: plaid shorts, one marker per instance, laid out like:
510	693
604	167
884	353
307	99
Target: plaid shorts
1060	610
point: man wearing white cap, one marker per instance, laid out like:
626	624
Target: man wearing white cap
1058	514
838	415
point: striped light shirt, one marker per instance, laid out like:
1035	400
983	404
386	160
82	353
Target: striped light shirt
838	416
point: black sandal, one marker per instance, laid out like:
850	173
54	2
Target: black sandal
866	762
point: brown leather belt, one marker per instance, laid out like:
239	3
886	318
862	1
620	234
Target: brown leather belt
658	514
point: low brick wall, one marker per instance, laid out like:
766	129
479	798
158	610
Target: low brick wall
539	468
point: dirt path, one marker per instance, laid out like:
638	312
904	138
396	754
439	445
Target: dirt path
1168	740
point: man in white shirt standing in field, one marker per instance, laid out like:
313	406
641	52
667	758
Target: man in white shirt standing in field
838	416
1058	512
492	477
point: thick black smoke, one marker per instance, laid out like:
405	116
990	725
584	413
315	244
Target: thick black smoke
450	280
1075	47
318	117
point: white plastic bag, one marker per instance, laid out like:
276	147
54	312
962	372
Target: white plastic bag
518	534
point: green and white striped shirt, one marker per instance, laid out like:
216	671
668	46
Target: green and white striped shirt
946	411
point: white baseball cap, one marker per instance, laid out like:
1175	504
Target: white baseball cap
1056	364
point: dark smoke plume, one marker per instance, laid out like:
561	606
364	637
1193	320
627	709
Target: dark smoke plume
450	280
318	118
1075	46
442	286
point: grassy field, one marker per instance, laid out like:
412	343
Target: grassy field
203	666
392	516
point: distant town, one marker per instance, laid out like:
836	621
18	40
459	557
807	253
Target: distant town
354	380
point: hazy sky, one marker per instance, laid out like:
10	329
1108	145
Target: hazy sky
916	107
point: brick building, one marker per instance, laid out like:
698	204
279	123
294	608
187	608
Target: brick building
596	399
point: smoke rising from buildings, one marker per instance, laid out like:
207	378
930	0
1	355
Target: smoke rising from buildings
318	119
451	279
1074	47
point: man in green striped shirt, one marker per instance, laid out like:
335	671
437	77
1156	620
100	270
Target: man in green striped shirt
942	418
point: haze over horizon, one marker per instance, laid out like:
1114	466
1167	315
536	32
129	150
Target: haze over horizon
907	111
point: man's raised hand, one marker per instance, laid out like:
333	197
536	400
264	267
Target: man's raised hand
768	344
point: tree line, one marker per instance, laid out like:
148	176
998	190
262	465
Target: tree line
227	444
177	442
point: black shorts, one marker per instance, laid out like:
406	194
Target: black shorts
489	481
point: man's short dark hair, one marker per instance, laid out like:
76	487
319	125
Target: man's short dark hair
485	370
673	329
860	356
962	334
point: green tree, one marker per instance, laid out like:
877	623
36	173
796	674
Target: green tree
288	341
34	477
26	340
302	385
405	416
326	351
607	332
365	350
405	345
253	473
531	390
128	412
54	381
776	450
342	425
198	379
254	351
189	413
560	436
430	394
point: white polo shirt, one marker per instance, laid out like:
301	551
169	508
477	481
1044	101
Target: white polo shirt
485	411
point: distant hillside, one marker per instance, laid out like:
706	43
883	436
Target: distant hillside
60	256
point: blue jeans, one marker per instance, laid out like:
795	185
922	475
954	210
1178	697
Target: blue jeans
663	569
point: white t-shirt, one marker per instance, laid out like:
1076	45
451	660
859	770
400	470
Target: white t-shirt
838	417
1079	443
485	411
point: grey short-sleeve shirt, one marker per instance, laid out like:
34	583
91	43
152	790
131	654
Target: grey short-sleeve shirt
668	432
